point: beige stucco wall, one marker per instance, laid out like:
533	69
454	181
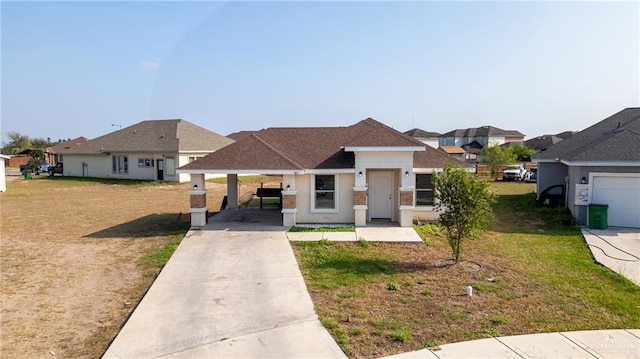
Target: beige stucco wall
100	166
344	197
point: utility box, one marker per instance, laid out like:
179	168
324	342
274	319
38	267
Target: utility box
598	216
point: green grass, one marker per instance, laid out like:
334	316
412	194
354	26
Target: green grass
330	265
158	258
537	275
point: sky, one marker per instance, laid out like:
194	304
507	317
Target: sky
85	68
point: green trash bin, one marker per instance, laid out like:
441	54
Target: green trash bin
598	216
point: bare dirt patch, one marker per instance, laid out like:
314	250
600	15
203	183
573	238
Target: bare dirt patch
69	253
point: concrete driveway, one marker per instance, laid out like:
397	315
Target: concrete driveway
616	248
231	290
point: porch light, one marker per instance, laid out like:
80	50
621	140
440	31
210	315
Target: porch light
288	187
195	187
583	180
406	173
360	174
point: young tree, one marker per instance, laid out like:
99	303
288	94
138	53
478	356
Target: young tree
465	201
522	153
496	157
37	155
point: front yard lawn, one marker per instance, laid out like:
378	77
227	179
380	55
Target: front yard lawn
531	273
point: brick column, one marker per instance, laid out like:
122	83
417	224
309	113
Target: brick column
198	200
406	206
360	206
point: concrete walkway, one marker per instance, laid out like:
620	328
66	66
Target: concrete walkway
616	248
231	290
585	344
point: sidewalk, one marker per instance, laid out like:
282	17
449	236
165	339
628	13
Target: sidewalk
607	344
371	234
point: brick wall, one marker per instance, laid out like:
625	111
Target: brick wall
406	198
360	198
288	201
198	200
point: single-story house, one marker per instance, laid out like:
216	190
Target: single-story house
3	178
149	150
598	165
541	143
351	174
53	152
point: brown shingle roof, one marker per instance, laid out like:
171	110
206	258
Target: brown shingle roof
67	144
452	150
433	158
300	148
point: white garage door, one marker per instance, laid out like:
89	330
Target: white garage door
622	194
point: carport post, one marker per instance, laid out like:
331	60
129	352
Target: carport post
232	190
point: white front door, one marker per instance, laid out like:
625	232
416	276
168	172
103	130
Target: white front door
380	194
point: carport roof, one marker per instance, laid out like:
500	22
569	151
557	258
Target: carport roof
614	139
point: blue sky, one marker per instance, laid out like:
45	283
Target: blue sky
74	68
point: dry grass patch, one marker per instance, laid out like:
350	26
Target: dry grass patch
77	255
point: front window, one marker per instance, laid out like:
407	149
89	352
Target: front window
424	190
145	162
324	194
170	165
120	164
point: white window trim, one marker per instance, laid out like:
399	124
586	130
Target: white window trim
336	195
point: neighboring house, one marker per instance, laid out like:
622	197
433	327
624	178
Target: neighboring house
149	150
429	138
351	174
3	178
456	152
484	135
541	143
600	164
472	151
53	152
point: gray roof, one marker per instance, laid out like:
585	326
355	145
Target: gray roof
419	133
614	139
484	131
170	136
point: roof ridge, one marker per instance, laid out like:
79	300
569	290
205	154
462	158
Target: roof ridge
276	150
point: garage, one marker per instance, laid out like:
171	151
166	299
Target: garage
621	191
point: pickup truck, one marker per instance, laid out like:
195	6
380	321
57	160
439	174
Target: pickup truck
513	173
57	168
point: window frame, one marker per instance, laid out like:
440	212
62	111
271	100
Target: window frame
169	171
335	192
120	164
432	190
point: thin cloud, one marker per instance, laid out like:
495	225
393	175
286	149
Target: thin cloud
146	64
